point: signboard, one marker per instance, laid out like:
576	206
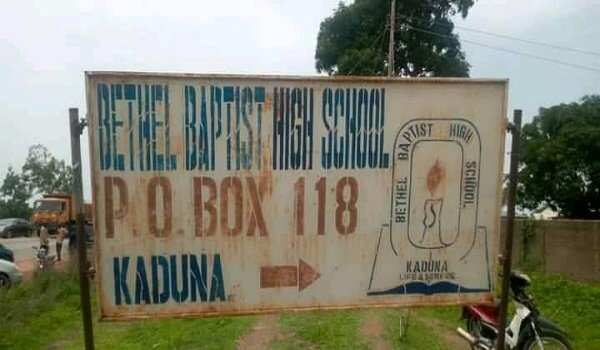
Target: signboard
221	194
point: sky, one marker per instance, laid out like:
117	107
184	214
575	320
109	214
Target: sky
45	47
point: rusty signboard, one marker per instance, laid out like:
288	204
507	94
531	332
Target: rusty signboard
222	194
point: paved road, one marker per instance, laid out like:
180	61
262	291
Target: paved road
24	254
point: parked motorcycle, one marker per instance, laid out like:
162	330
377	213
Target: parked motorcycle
528	329
43	258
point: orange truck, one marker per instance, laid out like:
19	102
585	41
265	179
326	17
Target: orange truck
56	209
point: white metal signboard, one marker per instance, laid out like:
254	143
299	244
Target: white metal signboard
218	194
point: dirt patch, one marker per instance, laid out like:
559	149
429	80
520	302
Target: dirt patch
264	332
373	329
449	336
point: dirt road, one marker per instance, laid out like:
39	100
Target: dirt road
24	253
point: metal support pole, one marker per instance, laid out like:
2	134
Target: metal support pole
515	129
391	43
84	283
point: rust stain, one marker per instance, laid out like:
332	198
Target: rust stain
435	176
266	172
299	207
268	102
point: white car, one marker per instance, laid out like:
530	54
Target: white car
9	274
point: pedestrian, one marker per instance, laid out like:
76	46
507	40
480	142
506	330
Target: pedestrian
60	237
44	238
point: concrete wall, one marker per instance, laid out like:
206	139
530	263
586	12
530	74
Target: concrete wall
568	247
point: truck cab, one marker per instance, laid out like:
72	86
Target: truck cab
53	210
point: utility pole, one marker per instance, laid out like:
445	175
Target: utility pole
391	46
84	282
515	130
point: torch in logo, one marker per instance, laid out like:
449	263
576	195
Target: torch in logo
431	236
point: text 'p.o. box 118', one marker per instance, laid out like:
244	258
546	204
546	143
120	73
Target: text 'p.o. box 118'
222	194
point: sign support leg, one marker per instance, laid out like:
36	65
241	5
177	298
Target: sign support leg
515	130
84	284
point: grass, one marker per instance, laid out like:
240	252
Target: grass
574	306
44	314
208	333
40	312
322	330
416	335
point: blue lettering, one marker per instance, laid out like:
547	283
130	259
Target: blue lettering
159	297
142	292
120	280
179	295
198	278
217	287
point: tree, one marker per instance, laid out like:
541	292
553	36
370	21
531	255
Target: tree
45	173
41	173
354	39
560	160
14	196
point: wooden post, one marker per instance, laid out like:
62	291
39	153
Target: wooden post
84	283
515	129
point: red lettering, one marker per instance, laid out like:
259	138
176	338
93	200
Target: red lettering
231	185
165	186
109	214
209	206
256	197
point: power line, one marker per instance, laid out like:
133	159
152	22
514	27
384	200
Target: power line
375	45
498	48
510	37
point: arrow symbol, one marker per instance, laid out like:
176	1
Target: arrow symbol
278	276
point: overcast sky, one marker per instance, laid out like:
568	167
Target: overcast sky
45	46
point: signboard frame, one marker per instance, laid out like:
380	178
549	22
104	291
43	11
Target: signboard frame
303	268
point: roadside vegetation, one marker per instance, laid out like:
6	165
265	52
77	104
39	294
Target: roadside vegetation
574	306
44	314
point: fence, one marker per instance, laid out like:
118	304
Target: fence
567	247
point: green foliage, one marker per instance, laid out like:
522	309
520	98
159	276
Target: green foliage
354	39
45	173
35	314
560	164
208	333
41	173
14	196
45	313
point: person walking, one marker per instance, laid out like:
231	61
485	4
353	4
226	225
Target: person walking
60	237
44	238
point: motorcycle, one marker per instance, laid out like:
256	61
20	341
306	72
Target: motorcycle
528	329
44	260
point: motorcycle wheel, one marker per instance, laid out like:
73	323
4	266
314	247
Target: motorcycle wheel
551	341
4	281
474	326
